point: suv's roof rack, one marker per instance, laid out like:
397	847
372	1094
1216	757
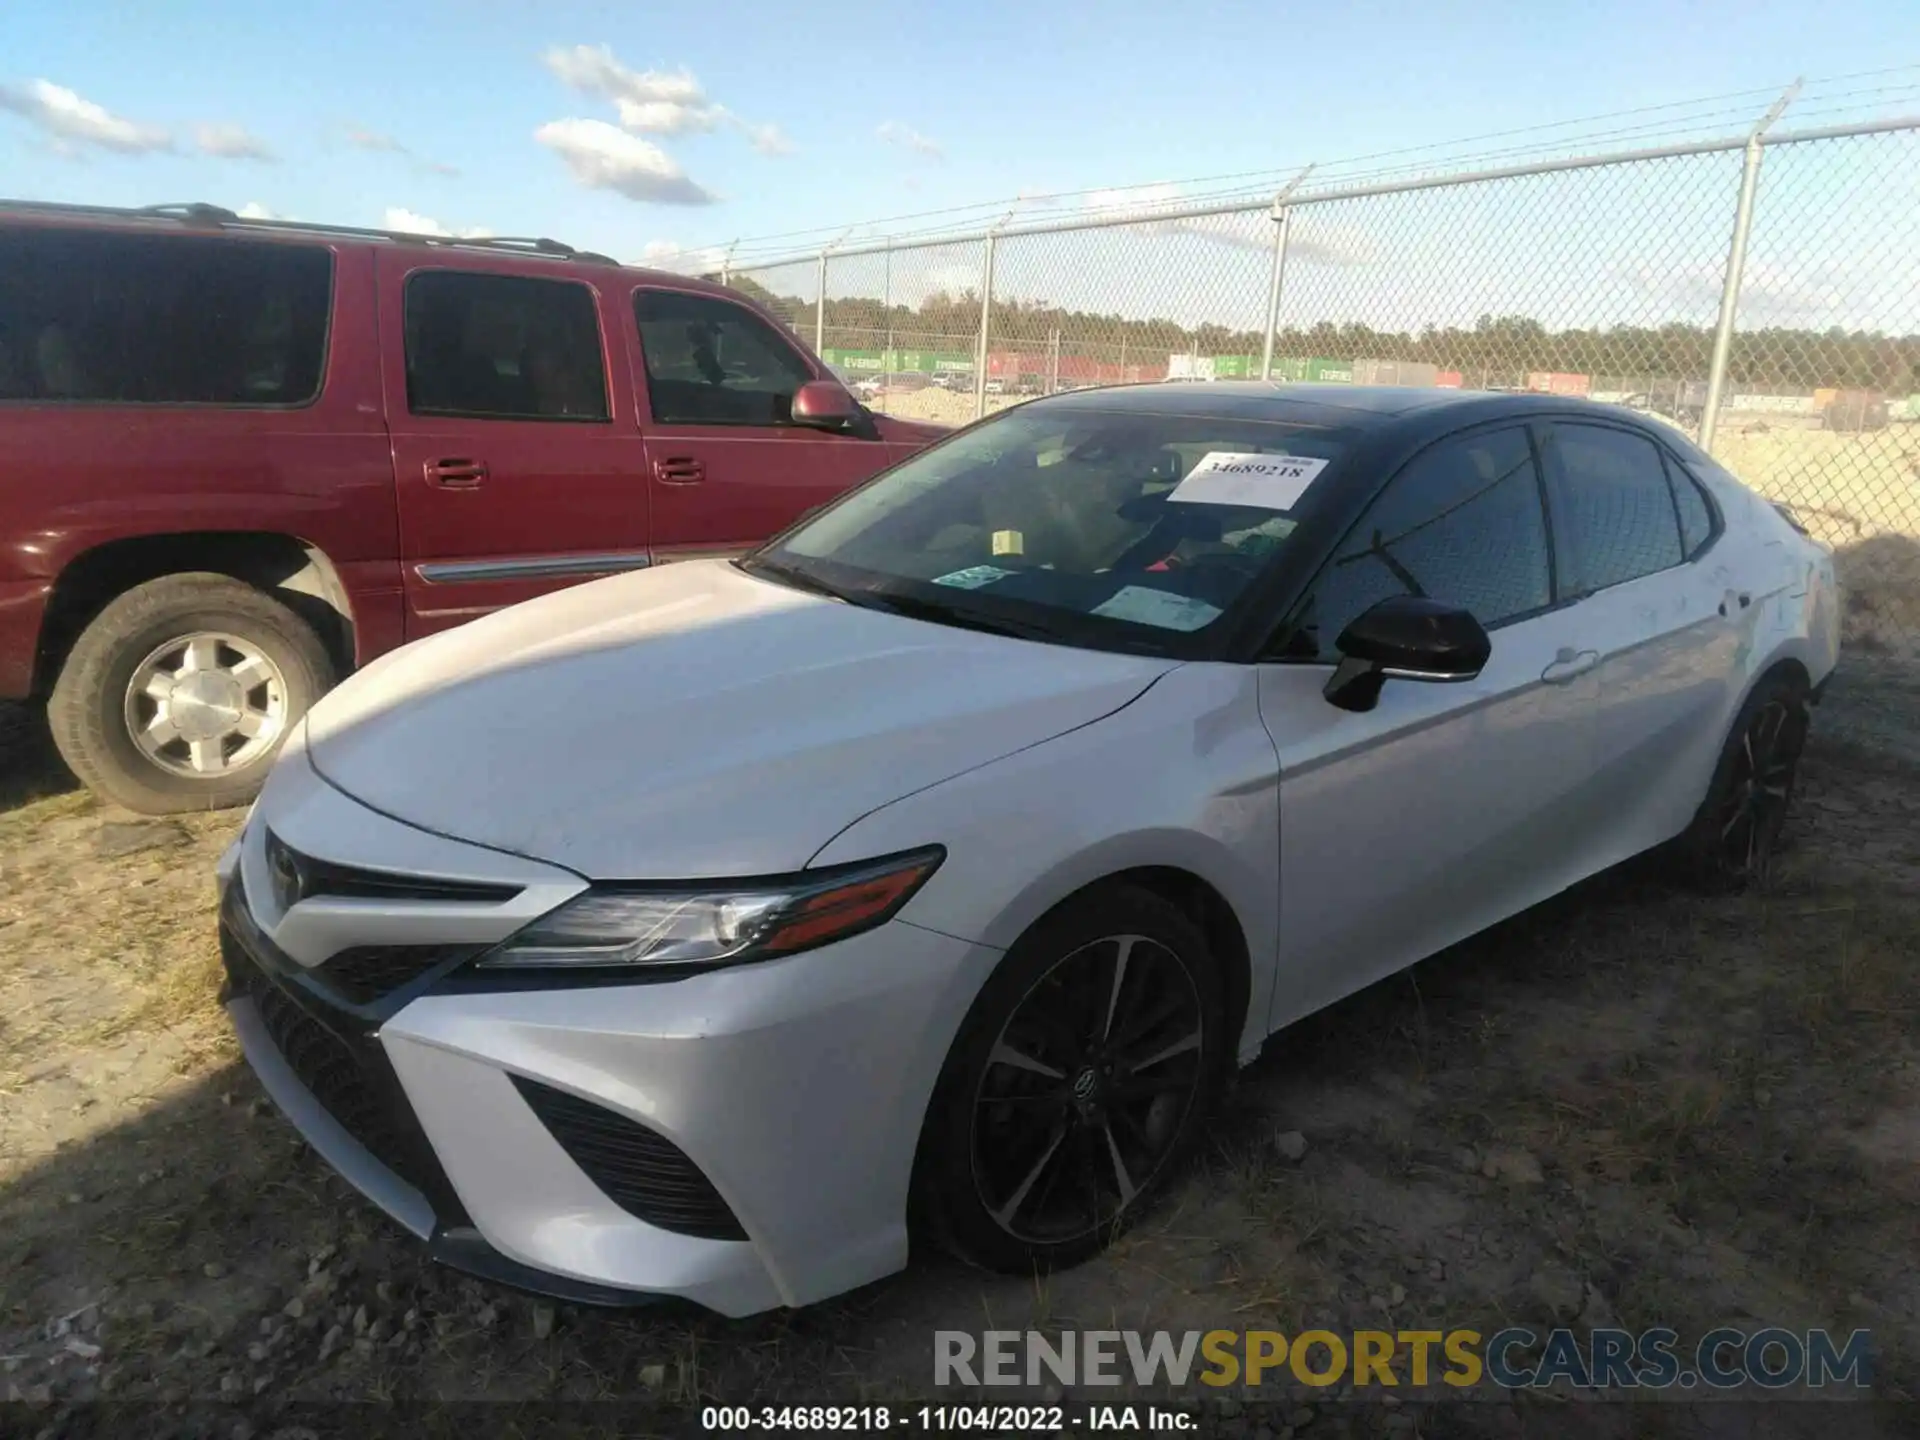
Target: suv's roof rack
198	212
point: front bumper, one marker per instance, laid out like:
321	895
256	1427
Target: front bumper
794	1088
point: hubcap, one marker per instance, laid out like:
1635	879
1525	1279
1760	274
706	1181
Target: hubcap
1755	807
206	704
1086	1089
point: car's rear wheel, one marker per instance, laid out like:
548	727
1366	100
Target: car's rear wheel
181	691
1735	835
1078	1078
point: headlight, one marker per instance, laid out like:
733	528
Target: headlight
695	926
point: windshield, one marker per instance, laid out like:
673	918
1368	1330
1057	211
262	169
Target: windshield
1111	529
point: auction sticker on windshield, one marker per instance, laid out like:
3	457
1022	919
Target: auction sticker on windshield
973	577
1160	608
1270	482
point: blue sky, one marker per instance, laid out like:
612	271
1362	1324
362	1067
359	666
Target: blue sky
624	127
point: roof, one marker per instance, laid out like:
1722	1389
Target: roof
1310	403
202	219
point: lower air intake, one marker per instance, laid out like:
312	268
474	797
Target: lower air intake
643	1173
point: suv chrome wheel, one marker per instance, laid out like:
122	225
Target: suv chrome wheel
206	703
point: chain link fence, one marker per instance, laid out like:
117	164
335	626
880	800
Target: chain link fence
1761	293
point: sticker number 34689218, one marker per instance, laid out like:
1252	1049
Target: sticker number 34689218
1268	482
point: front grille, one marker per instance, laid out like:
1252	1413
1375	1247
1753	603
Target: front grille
338	1059
365	973
643	1173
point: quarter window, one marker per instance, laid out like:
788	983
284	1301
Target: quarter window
1613	509
503	347
161	319
711	362
1696	519
1462	524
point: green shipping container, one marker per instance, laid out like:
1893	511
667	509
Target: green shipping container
1336	372
1289	368
854	361
1236	367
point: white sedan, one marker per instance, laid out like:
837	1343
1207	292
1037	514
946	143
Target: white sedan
707	931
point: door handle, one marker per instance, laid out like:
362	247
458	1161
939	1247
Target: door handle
679	470
1569	665
456	474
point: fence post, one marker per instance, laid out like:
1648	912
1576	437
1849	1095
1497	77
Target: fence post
986	322
1282	223
820	311
1736	266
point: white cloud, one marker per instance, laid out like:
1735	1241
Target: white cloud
770	140
412	223
892	132
254	210
1148	206
672	255
230	142
604	157
656	102
374	140
73	123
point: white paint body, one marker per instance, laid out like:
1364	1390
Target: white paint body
698	722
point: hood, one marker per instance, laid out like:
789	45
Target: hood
910	432
692	722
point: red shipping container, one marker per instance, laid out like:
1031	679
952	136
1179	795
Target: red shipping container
1557	383
1448	380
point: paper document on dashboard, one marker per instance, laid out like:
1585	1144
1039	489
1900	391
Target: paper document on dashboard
1270	482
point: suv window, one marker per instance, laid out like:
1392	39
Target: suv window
1696	515
1461	523
710	362
161	319
1614	511
503	347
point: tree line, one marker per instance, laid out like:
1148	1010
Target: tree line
1771	357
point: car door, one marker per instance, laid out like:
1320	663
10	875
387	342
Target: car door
727	467
516	473
1635	534
1447	807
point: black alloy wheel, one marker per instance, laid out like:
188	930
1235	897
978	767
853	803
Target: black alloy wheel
1078	1077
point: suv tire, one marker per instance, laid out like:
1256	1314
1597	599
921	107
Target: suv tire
181	691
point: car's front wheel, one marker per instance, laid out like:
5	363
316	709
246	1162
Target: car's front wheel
1078	1078
181	691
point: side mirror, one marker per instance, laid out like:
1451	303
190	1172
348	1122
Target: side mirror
1405	638
824	405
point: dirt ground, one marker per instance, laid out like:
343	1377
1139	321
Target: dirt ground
1630	1105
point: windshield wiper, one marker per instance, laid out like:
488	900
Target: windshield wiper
914	608
788	575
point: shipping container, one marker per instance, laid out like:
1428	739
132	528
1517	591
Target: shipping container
1330	372
1448	379
1190	367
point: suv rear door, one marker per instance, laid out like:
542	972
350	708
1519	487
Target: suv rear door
727	466
515	457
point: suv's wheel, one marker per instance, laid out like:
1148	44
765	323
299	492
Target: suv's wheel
179	694
1733	837
1078	1078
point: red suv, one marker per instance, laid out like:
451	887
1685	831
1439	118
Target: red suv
238	458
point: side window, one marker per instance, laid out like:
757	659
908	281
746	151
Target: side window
1461	523
711	362
503	347
1696	517
1613	511
161	319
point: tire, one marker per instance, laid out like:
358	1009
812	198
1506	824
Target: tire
1733	837
181	691
995	1190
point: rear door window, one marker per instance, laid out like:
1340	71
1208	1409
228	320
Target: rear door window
1613	509
503	347
161	319
711	362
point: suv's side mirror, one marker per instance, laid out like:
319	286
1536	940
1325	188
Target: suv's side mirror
1405	637
824	405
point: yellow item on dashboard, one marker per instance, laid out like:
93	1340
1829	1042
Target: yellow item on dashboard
1009	542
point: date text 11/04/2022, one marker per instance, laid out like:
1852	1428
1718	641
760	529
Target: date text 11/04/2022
948	1419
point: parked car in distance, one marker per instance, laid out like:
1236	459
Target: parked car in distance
996	813
238	459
